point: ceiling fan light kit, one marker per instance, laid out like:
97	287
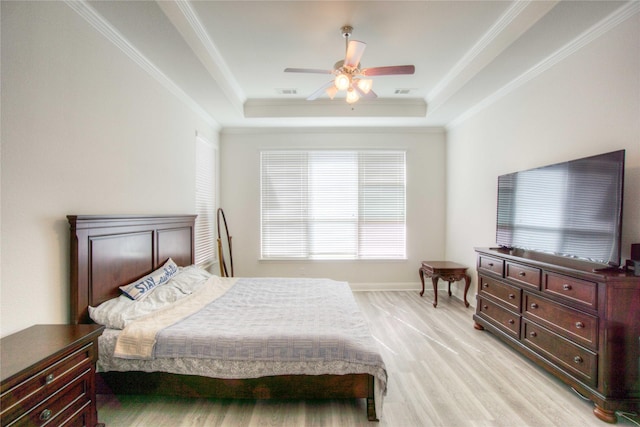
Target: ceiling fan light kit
342	81
352	96
365	85
349	76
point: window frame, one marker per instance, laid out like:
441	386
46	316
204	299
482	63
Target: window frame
205	254
300	228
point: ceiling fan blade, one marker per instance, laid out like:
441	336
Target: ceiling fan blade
320	90
388	71
307	70
355	49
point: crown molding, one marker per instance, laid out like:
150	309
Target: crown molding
257	130
263	108
517	19
186	20
100	24
614	19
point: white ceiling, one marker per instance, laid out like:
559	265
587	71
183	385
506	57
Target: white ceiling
226	59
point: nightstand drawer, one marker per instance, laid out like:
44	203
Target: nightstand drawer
48	376
508	294
25	395
578	361
508	321
572	324
577	290
523	275
61	406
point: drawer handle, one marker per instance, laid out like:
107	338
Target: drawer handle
566	287
490	264
579	325
512	296
534	305
511	321
485	307
578	359
49	378
485	285
522	274
533	334
45	415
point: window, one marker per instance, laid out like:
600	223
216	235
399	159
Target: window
205	203
333	205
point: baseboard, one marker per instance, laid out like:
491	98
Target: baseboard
407	286
393	286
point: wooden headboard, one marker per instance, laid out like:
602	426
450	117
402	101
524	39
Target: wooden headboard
111	251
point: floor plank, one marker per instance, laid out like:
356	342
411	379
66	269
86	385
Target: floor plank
442	372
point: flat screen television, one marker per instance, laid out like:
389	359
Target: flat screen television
571	209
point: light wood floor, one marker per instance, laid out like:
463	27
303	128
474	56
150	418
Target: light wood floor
442	372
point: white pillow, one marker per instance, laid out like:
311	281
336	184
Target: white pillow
145	285
118	312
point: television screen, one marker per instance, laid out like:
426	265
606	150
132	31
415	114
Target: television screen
571	209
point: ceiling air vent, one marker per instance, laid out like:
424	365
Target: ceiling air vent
287	91
402	91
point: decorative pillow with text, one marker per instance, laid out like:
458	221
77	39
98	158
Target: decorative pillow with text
144	286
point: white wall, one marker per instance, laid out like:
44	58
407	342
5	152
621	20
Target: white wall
588	104
240	199
84	131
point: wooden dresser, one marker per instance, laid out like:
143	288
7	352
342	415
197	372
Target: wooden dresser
581	325
48	376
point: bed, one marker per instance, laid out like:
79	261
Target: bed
108	252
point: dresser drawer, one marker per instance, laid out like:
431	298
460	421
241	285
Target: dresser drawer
491	265
508	321
574	359
62	407
577	290
572	324
30	392
510	295
523	275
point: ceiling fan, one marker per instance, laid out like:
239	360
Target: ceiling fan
348	74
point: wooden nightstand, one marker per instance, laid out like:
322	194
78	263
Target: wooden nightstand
48	376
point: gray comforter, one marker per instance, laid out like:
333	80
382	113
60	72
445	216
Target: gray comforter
278	320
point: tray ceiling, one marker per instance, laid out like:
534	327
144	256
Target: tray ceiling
226	58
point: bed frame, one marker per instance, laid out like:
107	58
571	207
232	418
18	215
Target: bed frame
111	251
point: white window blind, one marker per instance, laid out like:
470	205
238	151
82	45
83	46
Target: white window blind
333	204
205	202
